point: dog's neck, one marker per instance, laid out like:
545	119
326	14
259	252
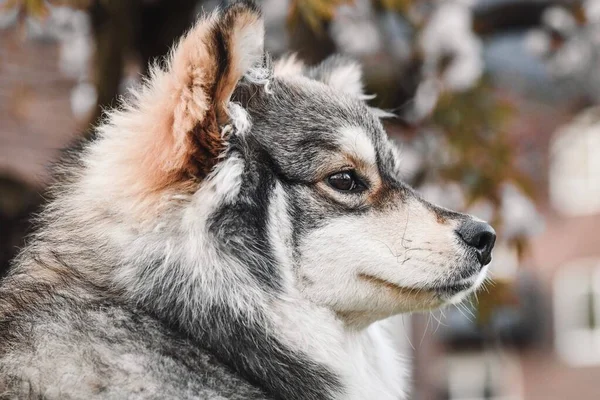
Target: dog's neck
275	338
291	344
363	354
286	344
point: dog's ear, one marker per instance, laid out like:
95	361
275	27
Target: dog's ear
341	73
186	104
289	65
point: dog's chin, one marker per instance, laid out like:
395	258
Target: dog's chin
458	291
430	296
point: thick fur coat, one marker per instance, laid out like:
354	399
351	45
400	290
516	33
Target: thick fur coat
238	230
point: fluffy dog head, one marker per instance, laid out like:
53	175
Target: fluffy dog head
255	181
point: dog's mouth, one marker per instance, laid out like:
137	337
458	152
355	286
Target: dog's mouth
445	291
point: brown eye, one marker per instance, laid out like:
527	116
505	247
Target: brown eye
345	182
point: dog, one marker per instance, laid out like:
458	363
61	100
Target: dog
238	229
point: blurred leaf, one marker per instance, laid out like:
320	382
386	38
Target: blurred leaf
34	8
314	12
483	155
39	8
72	3
520	243
401	6
578	12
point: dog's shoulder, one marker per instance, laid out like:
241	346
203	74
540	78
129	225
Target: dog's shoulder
53	345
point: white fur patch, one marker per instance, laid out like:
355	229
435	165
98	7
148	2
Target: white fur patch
239	118
289	66
279	227
354	140
382	114
365	359
347	78
249	44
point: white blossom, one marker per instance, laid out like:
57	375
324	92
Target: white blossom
445	194
559	19
83	99
449	33
519	214
538	42
354	29
592	10
425	99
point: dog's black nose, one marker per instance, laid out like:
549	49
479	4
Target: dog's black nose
480	236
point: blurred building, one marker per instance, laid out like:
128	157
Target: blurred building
542	341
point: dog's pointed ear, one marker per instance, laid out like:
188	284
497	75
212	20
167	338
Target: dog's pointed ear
186	104
289	65
341	73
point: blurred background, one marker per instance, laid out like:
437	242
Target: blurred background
497	115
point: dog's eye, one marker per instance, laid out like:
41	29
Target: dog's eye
346	181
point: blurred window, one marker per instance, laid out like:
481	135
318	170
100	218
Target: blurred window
575	166
482	376
577	312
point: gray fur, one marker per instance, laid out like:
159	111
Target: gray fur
97	349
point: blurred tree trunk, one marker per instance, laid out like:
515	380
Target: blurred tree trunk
18	200
113	27
161	23
142	29
311	46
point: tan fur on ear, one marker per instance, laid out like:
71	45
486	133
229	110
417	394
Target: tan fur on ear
205	68
161	144
172	132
